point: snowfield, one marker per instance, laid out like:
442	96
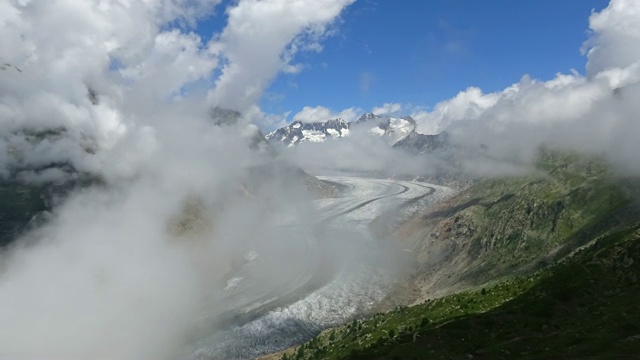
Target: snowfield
343	272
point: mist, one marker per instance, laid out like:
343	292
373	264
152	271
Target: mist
133	263
362	152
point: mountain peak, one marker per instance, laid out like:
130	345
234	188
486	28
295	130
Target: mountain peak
368	117
224	116
417	143
390	128
298	131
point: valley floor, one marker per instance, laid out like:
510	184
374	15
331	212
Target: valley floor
343	272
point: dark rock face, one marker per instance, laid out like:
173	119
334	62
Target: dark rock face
30	188
367	118
19	205
255	139
383	122
222	116
416	143
24	206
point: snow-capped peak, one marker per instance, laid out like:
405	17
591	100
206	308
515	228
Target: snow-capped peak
298	132
391	128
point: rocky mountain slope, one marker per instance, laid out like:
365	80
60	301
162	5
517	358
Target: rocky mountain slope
299	131
29	190
554	251
416	143
390	128
515	225
21	206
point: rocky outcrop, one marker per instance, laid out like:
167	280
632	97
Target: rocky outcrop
416	143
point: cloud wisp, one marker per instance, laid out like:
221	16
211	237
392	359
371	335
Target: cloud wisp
321	114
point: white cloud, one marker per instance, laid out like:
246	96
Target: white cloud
64	48
260	40
321	113
267	122
387	109
132	60
616	33
361	153
466	105
186	11
176	59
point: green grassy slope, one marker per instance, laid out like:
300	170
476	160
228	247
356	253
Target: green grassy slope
517	225
585	307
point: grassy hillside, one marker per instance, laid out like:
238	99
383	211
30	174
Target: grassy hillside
585	307
514	226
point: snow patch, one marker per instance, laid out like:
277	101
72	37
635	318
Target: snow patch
398	123
251	255
313	135
233	283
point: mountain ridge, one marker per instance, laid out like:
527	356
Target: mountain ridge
391	128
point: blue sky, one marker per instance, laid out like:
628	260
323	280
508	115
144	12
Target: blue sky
423	52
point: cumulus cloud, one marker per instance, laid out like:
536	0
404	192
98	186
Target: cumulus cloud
595	112
466	105
261	39
387	109
614	30
117	91
321	113
89	67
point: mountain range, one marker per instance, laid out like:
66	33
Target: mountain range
392	129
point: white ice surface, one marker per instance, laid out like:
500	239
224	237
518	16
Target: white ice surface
351	290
